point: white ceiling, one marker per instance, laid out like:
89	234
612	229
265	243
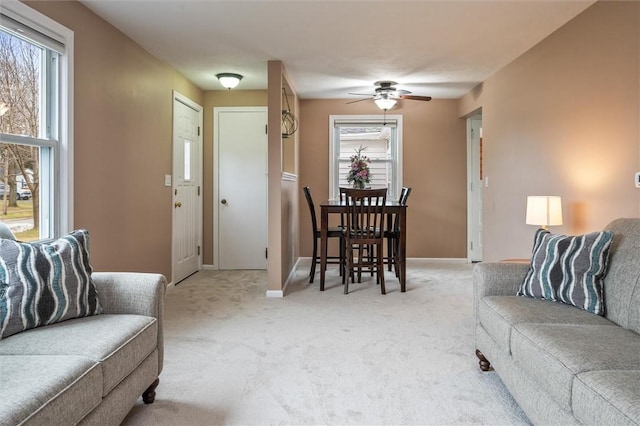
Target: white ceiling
330	48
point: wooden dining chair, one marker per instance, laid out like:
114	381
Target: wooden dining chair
332	232
392	233
364	232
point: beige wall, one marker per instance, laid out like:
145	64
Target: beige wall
563	119
434	165
212	99
123	139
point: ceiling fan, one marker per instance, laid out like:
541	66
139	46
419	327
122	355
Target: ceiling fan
386	95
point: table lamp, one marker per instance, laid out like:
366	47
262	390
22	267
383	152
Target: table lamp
544	210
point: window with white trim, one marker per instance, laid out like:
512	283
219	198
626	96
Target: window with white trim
35	117
381	136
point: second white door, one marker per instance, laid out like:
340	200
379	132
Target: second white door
241	197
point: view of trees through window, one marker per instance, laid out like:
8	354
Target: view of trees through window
20	114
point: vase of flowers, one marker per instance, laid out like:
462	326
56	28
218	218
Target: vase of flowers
359	174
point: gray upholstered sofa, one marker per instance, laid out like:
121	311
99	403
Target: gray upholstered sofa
562	364
88	370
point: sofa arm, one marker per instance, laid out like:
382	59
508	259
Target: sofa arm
495	279
133	293
130	292
498	278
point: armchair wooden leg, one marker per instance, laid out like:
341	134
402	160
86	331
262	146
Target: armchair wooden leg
149	395
485	365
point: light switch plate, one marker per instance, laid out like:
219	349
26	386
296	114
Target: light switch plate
167	180
637	180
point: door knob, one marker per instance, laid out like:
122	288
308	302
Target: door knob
177	204
223	201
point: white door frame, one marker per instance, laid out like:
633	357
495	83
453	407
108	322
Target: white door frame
178	97
216	179
474	252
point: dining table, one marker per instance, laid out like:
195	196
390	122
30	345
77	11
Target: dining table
392	207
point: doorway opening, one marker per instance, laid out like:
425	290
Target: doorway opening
475	177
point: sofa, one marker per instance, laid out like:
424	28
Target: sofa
561	363
89	370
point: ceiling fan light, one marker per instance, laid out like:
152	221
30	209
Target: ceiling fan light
229	80
385	103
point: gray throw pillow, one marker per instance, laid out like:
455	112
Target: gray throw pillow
43	283
569	269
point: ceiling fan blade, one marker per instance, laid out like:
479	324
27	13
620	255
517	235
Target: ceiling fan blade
402	92
362	94
416	98
359	100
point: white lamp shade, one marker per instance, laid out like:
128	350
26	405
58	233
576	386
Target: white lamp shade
229	80
544	210
385	103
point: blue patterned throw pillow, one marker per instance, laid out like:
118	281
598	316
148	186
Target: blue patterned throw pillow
569	269
44	283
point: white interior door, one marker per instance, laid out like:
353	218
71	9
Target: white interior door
474	214
187	181
240	135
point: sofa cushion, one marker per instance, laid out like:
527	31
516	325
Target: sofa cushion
498	314
118	342
555	354
569	269
44	283
48	389
607	397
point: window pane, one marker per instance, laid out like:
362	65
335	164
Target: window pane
382	138
20	204
28	132
20	104
187	159
377	142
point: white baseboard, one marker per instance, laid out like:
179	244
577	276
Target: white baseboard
209	268
306	261
438	259
290	278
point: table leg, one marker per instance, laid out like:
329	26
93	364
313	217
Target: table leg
324	226
402	248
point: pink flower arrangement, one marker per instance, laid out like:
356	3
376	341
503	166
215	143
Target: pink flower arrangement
359	173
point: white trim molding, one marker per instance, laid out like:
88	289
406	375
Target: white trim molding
289	176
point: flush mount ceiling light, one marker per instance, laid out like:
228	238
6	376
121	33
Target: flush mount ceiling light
229	79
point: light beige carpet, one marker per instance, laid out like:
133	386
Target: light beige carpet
234	357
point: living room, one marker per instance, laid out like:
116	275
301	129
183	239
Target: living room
545	109
561	119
